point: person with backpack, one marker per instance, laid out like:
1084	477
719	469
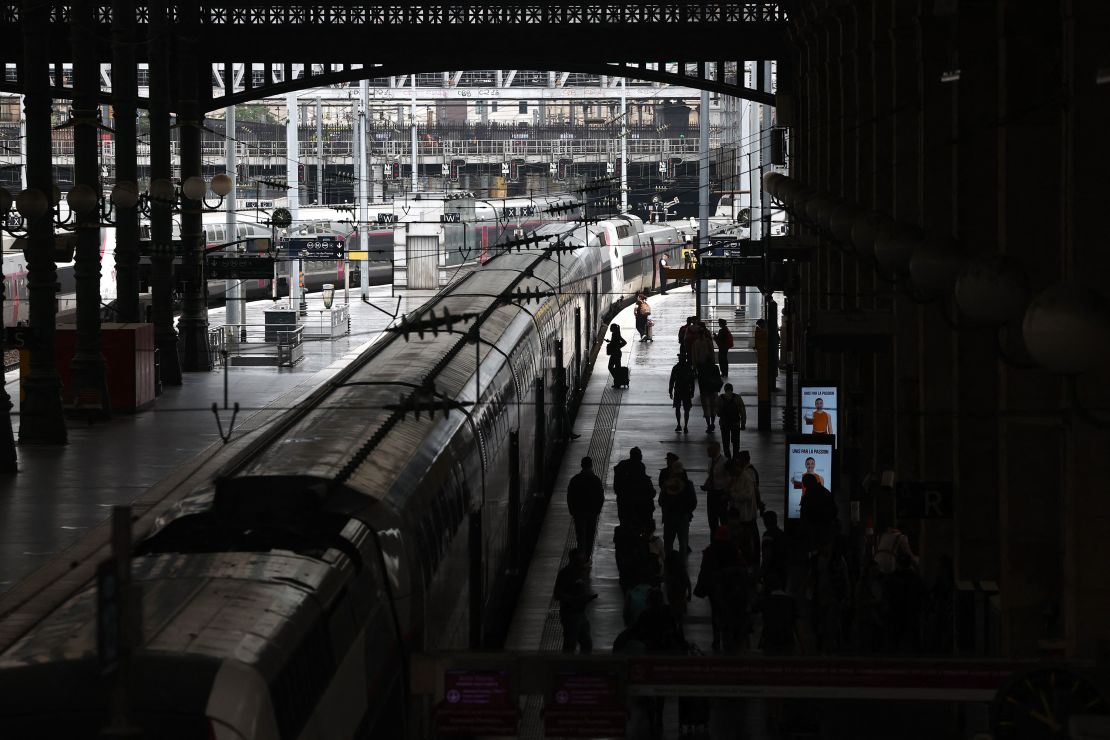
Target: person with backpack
677	502
709	383
641	313
732	416
634	491
681	390
724	341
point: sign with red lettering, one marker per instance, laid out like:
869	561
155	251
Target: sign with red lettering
472	721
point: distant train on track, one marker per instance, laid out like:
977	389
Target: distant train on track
282	596
471	228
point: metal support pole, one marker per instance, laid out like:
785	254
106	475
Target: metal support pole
236	310
292	155
127	632
703	191
415	150
364	192
161	213
89	387
624	145
193	325
770	356
41	418
124	101
319	153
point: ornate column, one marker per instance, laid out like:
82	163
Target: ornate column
194	308
124	96
89	388
8	461
41	417
161	209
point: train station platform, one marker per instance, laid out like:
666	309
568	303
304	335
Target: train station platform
62	494
612	421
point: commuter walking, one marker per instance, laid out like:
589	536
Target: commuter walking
724	341
681	391
702	347
677	502
716	487
585	497
614	344
641	313
724	581
709	383
747	501
733	417
686	338
573	593
634	491
677	583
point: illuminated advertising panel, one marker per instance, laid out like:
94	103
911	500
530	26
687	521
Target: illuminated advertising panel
811	453
819	404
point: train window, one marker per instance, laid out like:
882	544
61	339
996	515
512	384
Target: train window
218	233
622	231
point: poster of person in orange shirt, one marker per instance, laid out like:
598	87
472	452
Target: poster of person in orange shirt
819	419
818	402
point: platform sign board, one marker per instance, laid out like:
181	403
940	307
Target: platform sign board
819	404
585	703
240	268
807	453
321	247
924	499
478	702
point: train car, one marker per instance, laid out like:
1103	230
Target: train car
282	596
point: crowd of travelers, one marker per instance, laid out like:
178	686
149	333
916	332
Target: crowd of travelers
802	589
806	588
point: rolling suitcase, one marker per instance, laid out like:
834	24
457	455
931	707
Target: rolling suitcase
620	376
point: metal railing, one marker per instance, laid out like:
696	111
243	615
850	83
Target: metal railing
262	344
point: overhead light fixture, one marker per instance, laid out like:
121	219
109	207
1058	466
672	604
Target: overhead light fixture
1102	77
952	75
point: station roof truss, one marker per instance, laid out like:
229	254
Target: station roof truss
299	46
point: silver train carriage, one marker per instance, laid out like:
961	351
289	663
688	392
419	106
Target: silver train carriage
282	596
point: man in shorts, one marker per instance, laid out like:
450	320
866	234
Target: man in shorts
681	391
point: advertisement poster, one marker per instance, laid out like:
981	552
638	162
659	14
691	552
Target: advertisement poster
809	456
818	405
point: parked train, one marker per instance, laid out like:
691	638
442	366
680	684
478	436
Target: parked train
470	229
282	596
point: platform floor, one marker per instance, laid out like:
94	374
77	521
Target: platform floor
609	424
62	493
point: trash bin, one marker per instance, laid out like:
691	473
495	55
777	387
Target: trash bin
278	320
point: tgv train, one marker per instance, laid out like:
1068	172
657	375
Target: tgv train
470	228
282	595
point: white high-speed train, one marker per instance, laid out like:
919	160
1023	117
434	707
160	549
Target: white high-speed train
282	596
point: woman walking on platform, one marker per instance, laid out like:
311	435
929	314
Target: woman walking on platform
614	344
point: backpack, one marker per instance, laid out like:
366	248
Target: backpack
726	339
